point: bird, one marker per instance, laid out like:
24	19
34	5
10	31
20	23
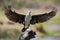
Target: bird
20	18
28	19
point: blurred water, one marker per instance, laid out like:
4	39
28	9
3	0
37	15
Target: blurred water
53	27
46	38
37	38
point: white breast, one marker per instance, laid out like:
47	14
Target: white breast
27	19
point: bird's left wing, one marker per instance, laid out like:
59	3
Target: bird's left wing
13	16
43	17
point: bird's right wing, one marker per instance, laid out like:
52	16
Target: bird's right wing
13	16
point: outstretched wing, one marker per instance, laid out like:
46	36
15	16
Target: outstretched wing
13	16
43	17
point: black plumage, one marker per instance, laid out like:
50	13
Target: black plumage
13	16
40	18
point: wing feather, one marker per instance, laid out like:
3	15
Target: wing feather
13	16
43	17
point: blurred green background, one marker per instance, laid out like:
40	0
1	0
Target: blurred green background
9	29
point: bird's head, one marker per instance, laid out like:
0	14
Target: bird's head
29	13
